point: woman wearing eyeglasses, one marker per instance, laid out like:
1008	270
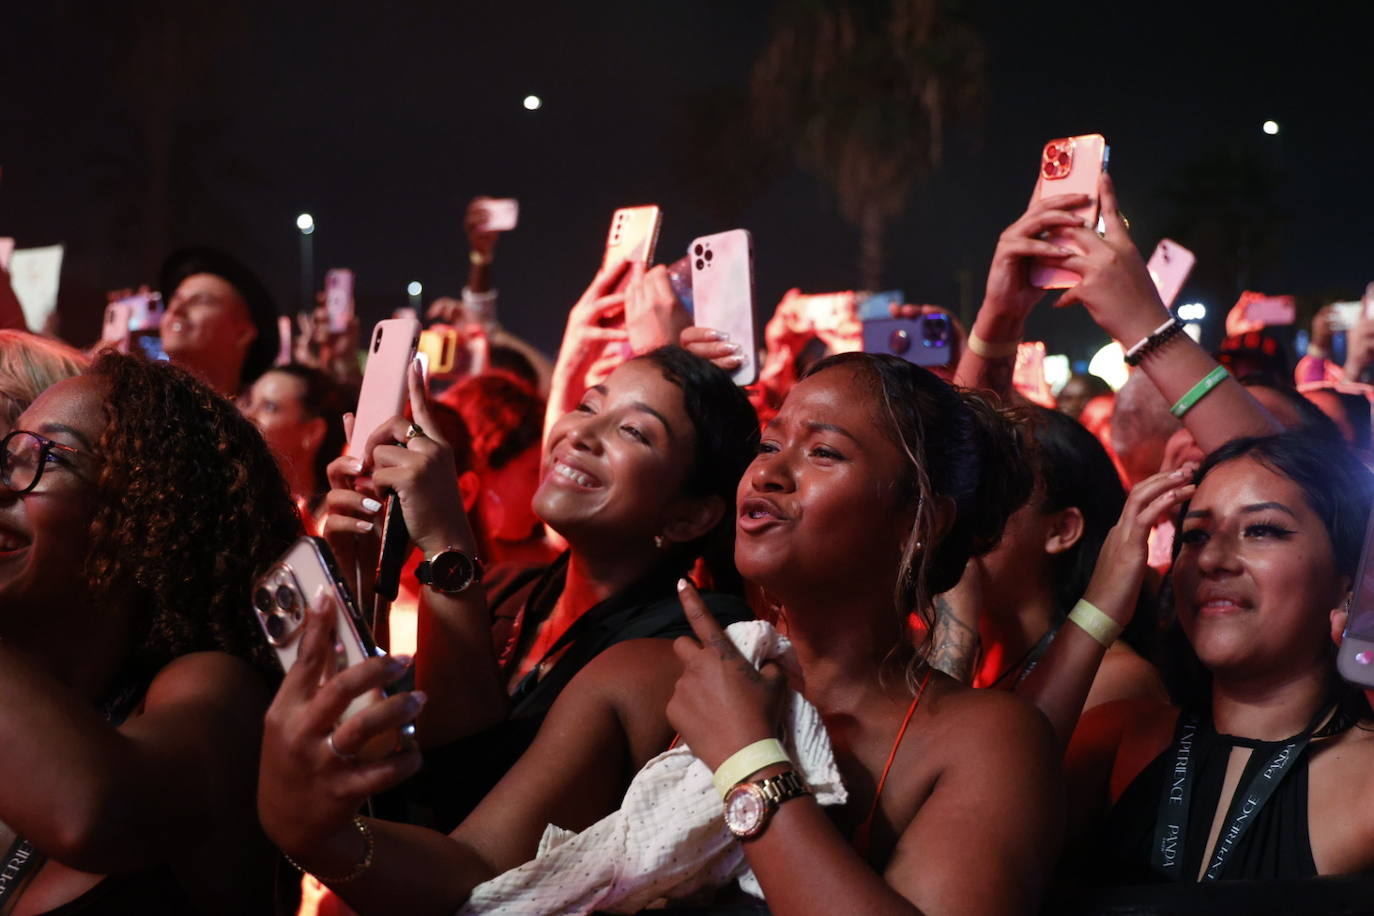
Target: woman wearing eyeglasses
135	507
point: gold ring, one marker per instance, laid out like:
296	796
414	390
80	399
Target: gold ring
414	431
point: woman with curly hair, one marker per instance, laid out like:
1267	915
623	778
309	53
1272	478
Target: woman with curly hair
136	506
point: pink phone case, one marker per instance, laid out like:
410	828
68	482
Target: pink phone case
1169	267
723	292
383	393
1069	165
115	329
633	235
338	298
500	215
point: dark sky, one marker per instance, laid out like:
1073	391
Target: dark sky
383	120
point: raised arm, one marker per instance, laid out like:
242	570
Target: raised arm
1120	296
1059	684
989	359
105	799
597	319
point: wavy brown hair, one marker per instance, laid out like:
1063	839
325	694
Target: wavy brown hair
190	507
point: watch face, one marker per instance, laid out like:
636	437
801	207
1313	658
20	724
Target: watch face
744	811
451	571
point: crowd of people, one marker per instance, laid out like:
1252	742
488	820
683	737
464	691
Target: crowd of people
862	637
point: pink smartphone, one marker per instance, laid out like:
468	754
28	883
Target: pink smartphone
1270	311
338	298
6	249
723	293
1069	165
305	576
500	214
1169	267
114	331
285	353
633	236
383	393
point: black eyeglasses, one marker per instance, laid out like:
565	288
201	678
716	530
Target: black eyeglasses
25	455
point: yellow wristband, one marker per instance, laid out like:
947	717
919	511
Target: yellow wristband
992	349
747	761
1095	623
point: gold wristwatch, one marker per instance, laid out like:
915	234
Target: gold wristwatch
750	805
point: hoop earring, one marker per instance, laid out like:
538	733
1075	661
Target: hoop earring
660	542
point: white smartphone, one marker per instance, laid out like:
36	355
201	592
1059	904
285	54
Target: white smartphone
634	235
338	298
500	214
383	392
723	293
305	576
1355	658
1169	267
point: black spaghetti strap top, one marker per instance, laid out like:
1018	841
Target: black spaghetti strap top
1275	846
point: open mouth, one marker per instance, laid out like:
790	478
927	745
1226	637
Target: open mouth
757	514
579	477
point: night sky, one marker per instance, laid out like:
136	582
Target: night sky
383	120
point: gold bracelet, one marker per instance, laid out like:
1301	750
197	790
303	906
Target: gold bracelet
992	349
363	865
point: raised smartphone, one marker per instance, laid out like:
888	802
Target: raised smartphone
440	348
6	249
114	331
1169	267
925	341
633	236
338	298
1355	658
723	292
499	214
304	576
383	392
1069	165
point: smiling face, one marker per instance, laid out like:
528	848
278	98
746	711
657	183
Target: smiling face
1255	579
614	467
821	508
207	323
45	533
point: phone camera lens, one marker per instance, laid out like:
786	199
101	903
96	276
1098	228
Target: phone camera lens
276	627
377	341
262	600
708	254
899	341
286	598
935	330
700	264
697	251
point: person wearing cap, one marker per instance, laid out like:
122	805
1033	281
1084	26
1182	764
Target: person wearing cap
221	322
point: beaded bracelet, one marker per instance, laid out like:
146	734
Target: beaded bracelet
363	864
1153	341
1199	391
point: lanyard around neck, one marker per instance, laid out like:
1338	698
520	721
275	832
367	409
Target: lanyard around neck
1176	798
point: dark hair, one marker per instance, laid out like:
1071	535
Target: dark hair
1310	417
190	507
507	360
962	449
1340	491
727	438
327	399
185	262
504	416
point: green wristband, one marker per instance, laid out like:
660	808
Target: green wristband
1199	391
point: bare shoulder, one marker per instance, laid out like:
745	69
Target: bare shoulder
969	720
1126	675
634	679
209	678
631	664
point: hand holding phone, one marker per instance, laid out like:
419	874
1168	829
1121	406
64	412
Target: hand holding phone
1069	165
723	290
383	392
338	298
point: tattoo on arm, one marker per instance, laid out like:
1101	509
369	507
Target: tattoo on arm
954	644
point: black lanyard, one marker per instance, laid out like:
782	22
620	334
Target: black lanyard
1176	798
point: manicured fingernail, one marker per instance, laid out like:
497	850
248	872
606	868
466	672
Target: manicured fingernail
370	504
416	701
398	663
683	585
736	349
1063	250
356	466
364	526
734	361
717	335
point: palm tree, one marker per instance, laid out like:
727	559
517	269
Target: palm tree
864	91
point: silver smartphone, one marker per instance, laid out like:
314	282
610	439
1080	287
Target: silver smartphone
1355	658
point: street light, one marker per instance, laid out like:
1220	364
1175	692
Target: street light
1192	311
1271	128
306	224
533	103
